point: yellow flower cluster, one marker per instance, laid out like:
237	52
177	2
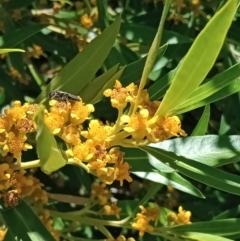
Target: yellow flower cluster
143	219
15	124
183	217
181	6
65	120
14	186
88	21
141	127
16	75
102	196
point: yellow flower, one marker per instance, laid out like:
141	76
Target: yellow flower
97	133
5	125
71	135
179	4
60	108
81	152
122	170
32	110
112	209
152	213
24	126
164	128
86	21
80	112
5	174
107	174
177	18
137	125
118	95
100	193
54	122
37	51
183	217
17	112
15	145
142	225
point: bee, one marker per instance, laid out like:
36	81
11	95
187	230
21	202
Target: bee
60	95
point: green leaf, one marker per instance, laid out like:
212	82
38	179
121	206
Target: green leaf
49	154
202	125
81	70
17	36
92	89
205	174
102	14
224	227
204	236
199	59
213	86
24	224
171	179
230	89
152	54
230	213
3	51
160	87
211	150
142	165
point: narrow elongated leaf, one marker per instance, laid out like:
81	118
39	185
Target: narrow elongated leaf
143	165
224	227
17	36
160	87
204	236
24	224
81	70
214	85
230	213
199	59
198	171
102	14
3	51
230	89
171	179
202	125
211	150
49	154
92	89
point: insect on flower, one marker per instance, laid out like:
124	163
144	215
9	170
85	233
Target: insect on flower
60	95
